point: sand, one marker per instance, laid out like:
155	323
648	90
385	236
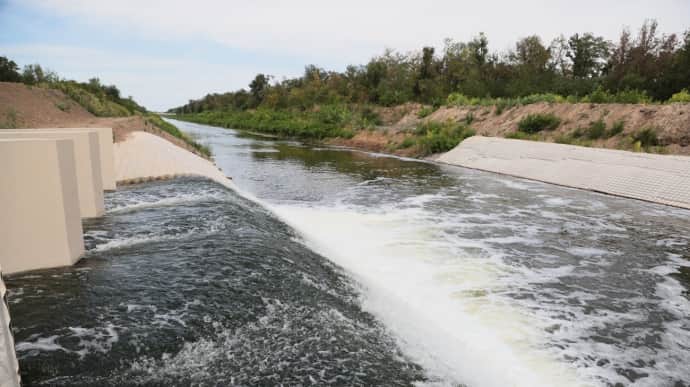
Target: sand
655	178
144	157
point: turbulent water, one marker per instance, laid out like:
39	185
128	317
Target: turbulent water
336	267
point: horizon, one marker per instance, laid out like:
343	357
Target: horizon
164	59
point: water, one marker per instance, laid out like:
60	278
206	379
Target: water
359	269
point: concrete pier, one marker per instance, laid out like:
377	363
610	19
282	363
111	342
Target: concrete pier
88	164
40	222
9	367
655	178
105	143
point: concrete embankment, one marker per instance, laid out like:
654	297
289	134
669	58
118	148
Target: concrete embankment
87	156
40	222
655	178
144	157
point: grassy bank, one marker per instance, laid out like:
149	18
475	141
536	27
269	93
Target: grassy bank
333	122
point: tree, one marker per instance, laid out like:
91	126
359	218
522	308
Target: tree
258	87
9	71
531	54
588	54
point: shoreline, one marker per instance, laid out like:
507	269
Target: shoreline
631	175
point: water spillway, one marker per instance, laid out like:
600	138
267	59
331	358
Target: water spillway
361	269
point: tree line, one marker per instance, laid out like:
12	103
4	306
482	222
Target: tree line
648	64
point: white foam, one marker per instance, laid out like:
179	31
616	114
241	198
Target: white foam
413	274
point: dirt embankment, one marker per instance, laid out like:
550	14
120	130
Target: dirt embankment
23	106
671	122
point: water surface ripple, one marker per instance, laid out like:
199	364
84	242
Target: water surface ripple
360	269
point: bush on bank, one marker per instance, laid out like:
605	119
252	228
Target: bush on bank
534	123
324	122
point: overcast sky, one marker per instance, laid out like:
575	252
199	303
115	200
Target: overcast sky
164	53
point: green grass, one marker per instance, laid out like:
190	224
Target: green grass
98	105
156	120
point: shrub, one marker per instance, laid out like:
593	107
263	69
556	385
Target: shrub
616	129
646	138
407	142
425	111
62	106
681	96
518	135
534	123
437	137
469	118
10	121
457	99
596	130
625	96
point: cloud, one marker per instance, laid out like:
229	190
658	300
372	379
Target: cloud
360	28
280	37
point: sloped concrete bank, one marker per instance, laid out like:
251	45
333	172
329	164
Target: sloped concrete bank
655	178
144	157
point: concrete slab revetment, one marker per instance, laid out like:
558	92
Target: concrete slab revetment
88	161
40	223
655	178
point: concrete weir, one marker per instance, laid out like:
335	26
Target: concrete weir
105	144
87	156
655	178
40	222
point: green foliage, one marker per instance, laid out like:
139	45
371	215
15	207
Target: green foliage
682	96
63	106
519	135
646	137
534	123
10	121
97	104
469	118
625	96
437	137
425	111
616	129
156	120
9	71
596	130
407	142
327	121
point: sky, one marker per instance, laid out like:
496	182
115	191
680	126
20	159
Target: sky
164	53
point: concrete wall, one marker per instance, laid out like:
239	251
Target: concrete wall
40	223
9	368
88	161
105	142
655	178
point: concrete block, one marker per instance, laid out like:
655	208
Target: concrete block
105	142
40	222
87	157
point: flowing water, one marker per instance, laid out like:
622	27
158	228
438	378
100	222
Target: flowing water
337	267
